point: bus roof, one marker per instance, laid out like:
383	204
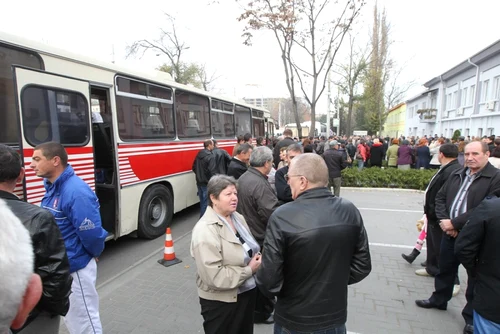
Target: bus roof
154	76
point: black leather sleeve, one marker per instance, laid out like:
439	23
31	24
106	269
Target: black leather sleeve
51	263
469	239
270	275
361	264
282	188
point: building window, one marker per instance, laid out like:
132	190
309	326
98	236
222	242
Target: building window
466	132
496	88
472	94
54	115
464	97
484	92
192	115
9	131
491	131
448	101
454	100
479	132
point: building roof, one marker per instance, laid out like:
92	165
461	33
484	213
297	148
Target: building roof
396	107
479	57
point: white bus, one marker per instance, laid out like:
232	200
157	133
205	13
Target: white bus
131	136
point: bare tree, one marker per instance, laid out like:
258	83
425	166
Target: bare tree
395	91
206	79
279	17
168	44
319	39
351	75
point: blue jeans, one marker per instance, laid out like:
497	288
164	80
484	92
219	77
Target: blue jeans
484	326
203	195
335	329
361	164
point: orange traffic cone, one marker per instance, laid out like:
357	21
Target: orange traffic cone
169	258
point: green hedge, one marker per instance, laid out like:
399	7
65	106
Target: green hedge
387	178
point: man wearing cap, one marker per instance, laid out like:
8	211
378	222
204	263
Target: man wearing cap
336	163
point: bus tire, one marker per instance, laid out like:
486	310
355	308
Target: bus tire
155	212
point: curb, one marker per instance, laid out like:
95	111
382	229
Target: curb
384	189
141	261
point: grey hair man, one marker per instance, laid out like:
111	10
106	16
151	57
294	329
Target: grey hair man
256	202
283	190
20	288
299	264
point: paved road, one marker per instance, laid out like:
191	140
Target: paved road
126	251
149	298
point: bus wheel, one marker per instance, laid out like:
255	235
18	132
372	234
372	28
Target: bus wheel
155	212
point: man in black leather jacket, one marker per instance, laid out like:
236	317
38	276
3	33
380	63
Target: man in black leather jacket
51	262
314	247
478	249
204	169
221	158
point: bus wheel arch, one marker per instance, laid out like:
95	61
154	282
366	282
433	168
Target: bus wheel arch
155	211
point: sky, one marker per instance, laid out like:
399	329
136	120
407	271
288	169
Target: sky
428	37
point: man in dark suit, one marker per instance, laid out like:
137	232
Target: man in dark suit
239	163
447	156
285	142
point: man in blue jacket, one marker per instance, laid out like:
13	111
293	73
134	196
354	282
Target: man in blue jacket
76	210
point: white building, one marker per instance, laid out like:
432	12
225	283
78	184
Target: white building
465	98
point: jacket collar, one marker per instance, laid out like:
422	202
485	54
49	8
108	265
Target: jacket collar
210	218
7	195
488	171
320	192
256	172
239	161
66	174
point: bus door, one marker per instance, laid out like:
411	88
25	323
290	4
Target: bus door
56	108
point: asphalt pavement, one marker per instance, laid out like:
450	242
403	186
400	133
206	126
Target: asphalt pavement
138	295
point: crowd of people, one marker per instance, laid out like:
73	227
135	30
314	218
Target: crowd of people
285	206
260	228
265	212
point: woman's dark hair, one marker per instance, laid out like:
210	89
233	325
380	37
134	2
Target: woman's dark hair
496	152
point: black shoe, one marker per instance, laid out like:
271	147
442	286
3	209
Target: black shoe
412	256
424	264
468	329
426	303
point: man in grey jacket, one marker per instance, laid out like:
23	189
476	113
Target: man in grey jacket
256	202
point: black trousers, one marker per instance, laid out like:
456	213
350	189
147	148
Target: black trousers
264	307
445	279
228	318
433	238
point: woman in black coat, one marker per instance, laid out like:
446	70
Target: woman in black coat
376	153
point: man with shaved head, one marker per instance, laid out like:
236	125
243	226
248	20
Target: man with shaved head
314	247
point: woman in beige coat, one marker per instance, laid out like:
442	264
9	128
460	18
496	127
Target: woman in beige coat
226	256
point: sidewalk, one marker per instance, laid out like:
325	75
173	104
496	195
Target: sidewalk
153	299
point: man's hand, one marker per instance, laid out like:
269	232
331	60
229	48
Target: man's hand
446	225
452	233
